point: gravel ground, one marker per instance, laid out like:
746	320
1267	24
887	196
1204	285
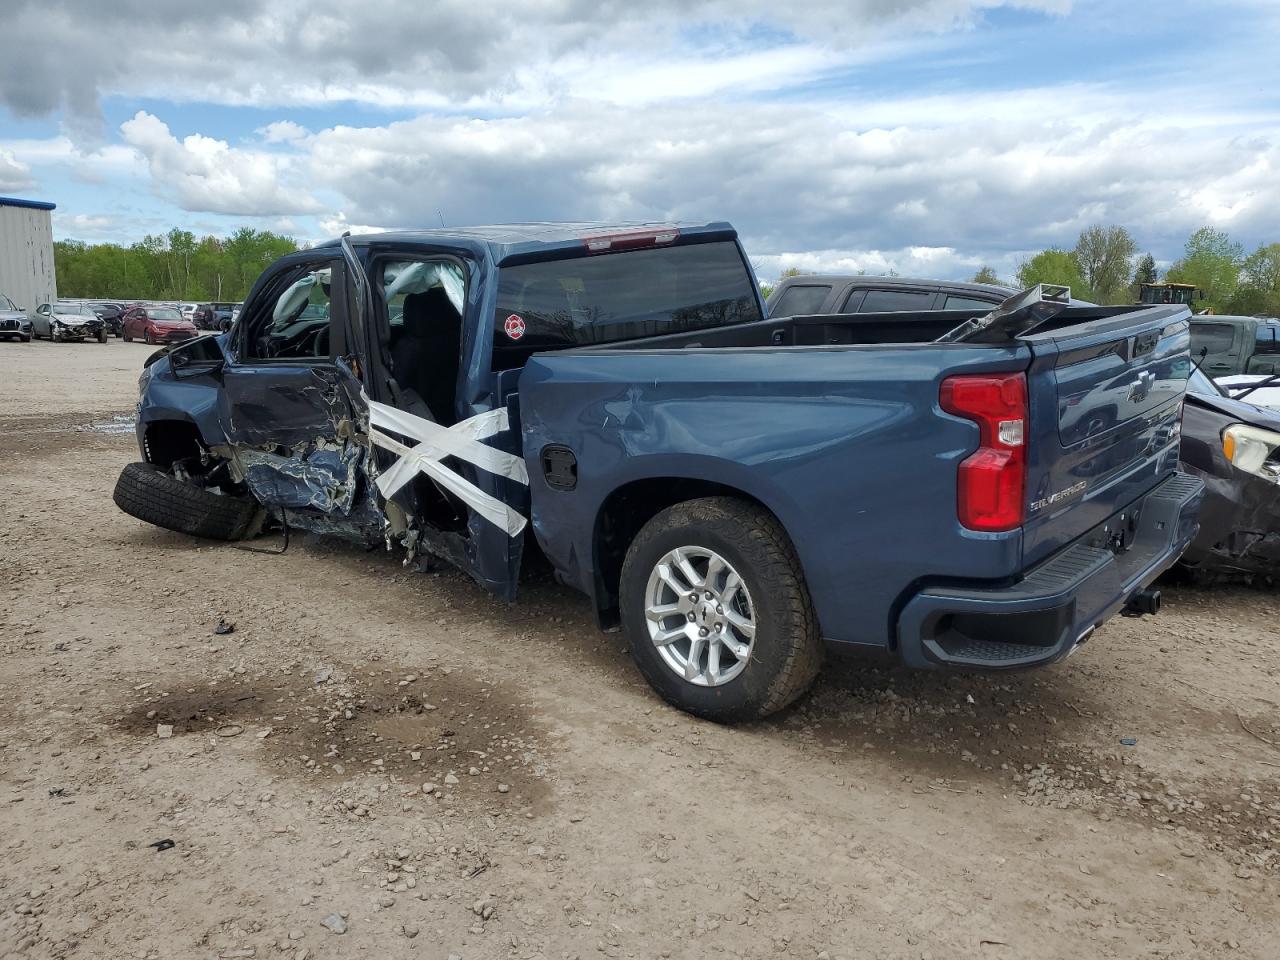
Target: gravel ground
379	763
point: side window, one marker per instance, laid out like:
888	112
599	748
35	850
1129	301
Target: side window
967	303
1212	337
43	308
295	321
1266	341
891	301
402	279
800	300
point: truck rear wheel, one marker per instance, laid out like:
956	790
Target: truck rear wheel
145	492
717	612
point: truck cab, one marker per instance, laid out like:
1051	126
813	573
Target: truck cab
1225	345
831	293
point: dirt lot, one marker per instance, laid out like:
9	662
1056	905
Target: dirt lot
444	775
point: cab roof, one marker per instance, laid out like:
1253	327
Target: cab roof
528	240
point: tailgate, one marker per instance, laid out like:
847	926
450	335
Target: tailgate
1105	409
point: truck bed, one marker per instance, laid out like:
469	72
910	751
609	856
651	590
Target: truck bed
853	329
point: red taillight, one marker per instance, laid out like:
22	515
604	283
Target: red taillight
991	482
630	239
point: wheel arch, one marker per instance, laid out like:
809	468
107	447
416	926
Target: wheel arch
164	441
624	512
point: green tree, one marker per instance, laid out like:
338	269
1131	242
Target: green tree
1105	256
1211	261
175	266
986	275
1146	271
1258	290
1053	266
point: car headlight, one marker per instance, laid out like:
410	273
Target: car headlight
1253	450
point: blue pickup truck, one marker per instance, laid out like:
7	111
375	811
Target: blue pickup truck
743	493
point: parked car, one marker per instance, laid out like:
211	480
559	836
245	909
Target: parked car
14	324
213	316
1228	345
734	489
111	314
67	320
1234	446
187	309
156	325
807	295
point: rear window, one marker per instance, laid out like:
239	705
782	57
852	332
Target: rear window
800	300
1213	337
621	296
889	301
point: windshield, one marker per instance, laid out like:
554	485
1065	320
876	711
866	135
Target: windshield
61	307
6	303
1201	384
164	313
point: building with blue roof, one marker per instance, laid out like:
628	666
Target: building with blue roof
27	274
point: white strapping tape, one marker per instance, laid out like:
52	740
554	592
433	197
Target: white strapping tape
435	443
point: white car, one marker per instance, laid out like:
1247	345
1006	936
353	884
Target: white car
188	310
1267	396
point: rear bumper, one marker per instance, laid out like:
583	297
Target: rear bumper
1047	614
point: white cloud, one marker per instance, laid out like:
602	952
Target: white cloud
795	179
204	174
456	53
283	131
14	174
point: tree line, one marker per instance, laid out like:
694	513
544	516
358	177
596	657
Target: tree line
172	266
1104	267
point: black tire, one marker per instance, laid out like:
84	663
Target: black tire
788	644
145	492
125	337
150	340
102	335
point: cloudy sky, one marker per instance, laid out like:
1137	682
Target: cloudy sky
926	136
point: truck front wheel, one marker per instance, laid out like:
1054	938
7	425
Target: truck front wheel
717	612
148	493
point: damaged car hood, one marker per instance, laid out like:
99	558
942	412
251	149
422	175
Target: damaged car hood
1242	410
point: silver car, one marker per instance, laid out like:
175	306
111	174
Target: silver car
14	324
62	320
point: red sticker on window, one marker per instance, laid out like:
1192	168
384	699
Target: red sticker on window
514	326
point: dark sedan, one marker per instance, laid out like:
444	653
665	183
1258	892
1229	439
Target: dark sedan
1235	448
111	314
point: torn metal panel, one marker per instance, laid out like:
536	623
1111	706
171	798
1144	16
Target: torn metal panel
363	526
320	476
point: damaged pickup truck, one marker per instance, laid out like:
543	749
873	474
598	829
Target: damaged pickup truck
741	492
